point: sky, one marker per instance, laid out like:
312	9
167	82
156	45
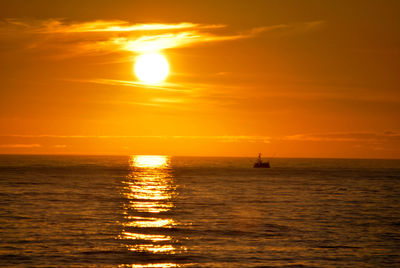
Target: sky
285	78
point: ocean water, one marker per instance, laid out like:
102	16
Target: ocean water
159	211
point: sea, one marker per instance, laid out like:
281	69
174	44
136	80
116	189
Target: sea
162	211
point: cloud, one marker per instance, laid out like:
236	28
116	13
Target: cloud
116	35
60	146
56	26
175	95
233	138
347	136
163	86
20	145
53	26
150	43
317	137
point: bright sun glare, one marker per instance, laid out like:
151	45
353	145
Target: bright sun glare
151	68
150	161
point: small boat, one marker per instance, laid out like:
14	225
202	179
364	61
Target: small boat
260	163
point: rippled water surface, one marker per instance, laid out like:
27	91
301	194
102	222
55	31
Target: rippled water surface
158	211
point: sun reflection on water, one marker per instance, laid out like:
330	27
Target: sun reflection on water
150	161
150	265
148	191
149	222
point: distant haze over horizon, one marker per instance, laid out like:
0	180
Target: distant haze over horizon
266	157
308	79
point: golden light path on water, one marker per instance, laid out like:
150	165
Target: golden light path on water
151	265
148	191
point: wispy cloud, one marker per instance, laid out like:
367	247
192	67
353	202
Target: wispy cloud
53	26
56	26
60	146
116	35
20	145
223	138
164	86
335	136
346	136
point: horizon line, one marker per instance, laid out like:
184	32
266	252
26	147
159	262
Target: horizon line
203	156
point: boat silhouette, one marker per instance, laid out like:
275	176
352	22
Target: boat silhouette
260	163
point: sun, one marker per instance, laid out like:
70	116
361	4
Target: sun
151	68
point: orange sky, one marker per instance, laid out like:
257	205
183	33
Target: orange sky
291	78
